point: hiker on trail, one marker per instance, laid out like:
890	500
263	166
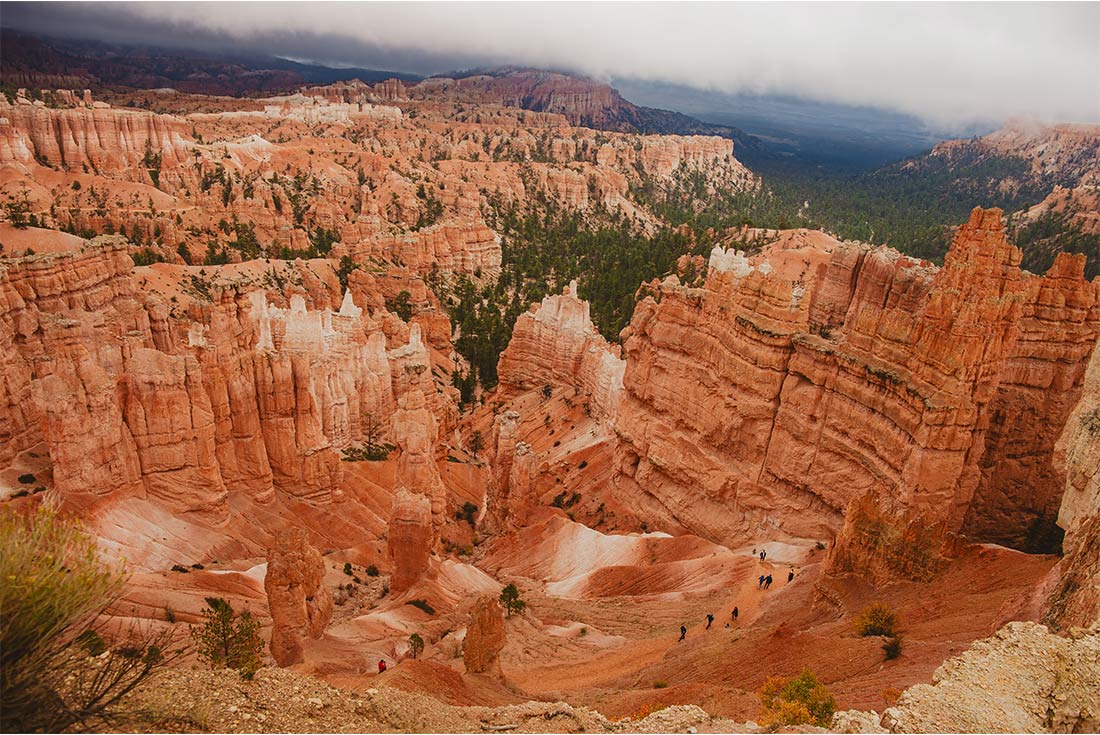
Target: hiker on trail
710	619
381	666
736	612
754	551
763	554
790	575
727	626
683	632
760	581
767	581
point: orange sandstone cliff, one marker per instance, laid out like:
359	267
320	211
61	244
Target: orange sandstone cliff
871	399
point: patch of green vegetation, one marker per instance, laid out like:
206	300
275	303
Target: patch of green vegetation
422	605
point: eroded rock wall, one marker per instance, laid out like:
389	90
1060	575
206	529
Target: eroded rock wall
135	395
555	343
1075	598
862	399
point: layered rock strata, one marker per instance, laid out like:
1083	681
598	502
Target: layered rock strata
134	397
858	399
1075	599
556	343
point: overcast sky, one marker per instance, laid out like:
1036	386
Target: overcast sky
949	63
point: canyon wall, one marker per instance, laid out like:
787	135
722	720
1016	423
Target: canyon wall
555	343
1075	599
859	400
183	401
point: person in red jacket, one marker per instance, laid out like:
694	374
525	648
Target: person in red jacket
381	666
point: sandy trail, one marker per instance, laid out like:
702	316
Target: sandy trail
653	617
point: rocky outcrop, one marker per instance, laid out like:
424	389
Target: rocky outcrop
409	538
297	598
471	249
317	109
1016	502
514	469
95	137
1075	599
860	395
233	394
556	343
1042	683
1064	152
484	638
419	505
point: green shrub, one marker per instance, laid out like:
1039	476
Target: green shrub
467	513
798	700
659	684
509	598
877	619
26	479
347	568
1091	421
226	640
422	605
892	647
372	571
54	589
416	644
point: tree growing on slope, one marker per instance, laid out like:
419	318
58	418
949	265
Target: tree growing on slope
227	640
509	598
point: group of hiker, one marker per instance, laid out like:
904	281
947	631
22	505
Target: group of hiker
763	582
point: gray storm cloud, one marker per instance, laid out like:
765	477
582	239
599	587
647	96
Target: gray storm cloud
948	63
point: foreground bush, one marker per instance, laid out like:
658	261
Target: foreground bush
54	589
227	640
799	700
877	619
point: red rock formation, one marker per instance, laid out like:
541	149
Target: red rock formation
1061	152
419	505
758	403
1075	599
134	397
450	248
297	598
92	136
1016	502
556	343
409	538
484	638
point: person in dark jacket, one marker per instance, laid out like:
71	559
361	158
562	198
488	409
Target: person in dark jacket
710	619
683	632
735	613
